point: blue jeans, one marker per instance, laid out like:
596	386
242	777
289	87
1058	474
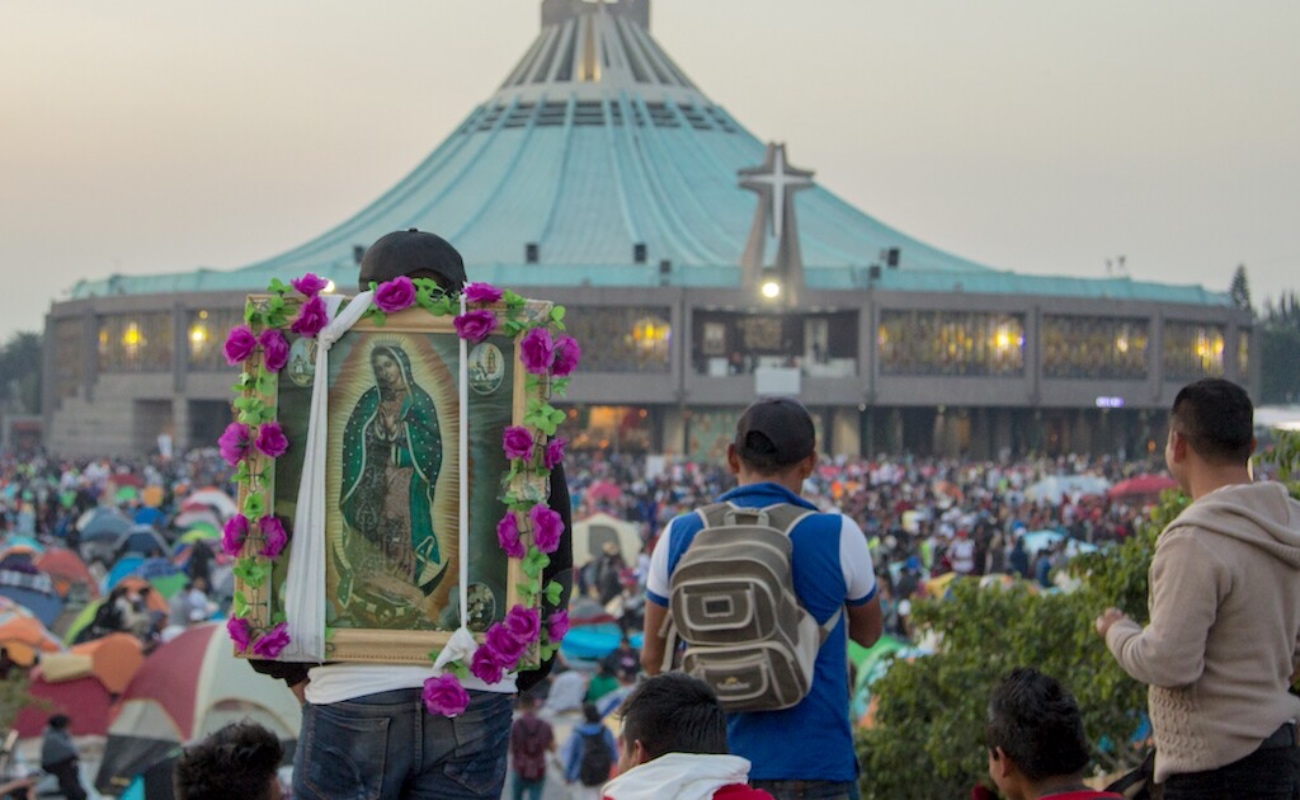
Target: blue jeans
530	789
386	746
809	790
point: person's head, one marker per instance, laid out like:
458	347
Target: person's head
670	713
388	367
414	254
590	713
59	722
240	760
1034	734
1212	420
775	440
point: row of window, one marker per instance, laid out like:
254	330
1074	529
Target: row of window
638	339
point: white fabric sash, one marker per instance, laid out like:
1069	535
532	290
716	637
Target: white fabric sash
304	587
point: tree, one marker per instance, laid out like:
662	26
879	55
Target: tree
1240	289
1278	334
930	712
20	373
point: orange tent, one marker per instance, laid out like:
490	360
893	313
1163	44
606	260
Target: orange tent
111	659
67	569
22	634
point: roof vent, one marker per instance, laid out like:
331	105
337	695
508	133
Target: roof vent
358	252
665	272
532	254
638	253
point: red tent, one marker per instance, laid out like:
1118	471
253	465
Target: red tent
67	569
84	700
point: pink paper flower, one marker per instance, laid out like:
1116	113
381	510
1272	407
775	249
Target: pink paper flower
395	295
475	325
240	633
567	356
537	350
518	442
235	443
508	649
233	534
240	343
482	293
557	625
547	527
271	440
310	284
486	666
444	695
273	642
275	349
273	531
525	624
311	319
554	452
508	536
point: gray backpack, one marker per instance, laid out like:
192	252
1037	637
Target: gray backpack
732	602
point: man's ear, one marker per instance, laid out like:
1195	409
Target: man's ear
639	755
733	459
1003	762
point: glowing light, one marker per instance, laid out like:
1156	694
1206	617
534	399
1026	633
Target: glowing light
131	337
199	335
771	290
329	287
1121	344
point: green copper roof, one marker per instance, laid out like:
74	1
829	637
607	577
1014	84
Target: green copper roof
597	148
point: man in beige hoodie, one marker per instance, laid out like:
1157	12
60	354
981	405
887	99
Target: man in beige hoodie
1224	636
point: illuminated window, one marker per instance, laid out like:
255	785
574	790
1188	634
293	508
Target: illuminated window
1193	350
631	339
951	343
136	342
205	333
1243	352
1094	347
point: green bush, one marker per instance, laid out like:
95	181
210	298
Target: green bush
928	736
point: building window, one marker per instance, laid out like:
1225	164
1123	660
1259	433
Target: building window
1243	352
731	343
69	357
630	339
136	342
1094	348
1193	350
951	343
205	336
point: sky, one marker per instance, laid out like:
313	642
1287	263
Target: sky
1039	136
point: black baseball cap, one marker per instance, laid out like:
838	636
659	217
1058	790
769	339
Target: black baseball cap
411	252
775	430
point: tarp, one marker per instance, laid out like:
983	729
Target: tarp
1057	487
1149	486
590	535
187	689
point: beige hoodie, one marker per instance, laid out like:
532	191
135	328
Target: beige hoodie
1224	634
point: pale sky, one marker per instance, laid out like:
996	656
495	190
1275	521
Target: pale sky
1041	136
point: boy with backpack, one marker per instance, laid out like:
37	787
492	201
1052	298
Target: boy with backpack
589	755
768	594
531	739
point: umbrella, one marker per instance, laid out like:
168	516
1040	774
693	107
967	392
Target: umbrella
1142	486
125	494
165	576
152	496
127	479
188	689
67	570
200	516
212	498
104	524
604	490
35	592
22	634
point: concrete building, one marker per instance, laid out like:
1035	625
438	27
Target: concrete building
700	269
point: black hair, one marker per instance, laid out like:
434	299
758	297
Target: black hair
240	760
59	721
1036	722
1217	419
760	454
674	713
590	713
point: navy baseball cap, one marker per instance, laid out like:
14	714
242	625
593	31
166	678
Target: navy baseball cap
778	430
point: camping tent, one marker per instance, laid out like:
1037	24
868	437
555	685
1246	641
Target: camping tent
590	535
187	689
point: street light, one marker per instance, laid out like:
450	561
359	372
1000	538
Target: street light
771	289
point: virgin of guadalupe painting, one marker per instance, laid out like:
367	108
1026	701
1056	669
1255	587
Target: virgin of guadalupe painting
391	553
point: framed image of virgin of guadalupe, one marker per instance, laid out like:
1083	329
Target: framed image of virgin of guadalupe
379	518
